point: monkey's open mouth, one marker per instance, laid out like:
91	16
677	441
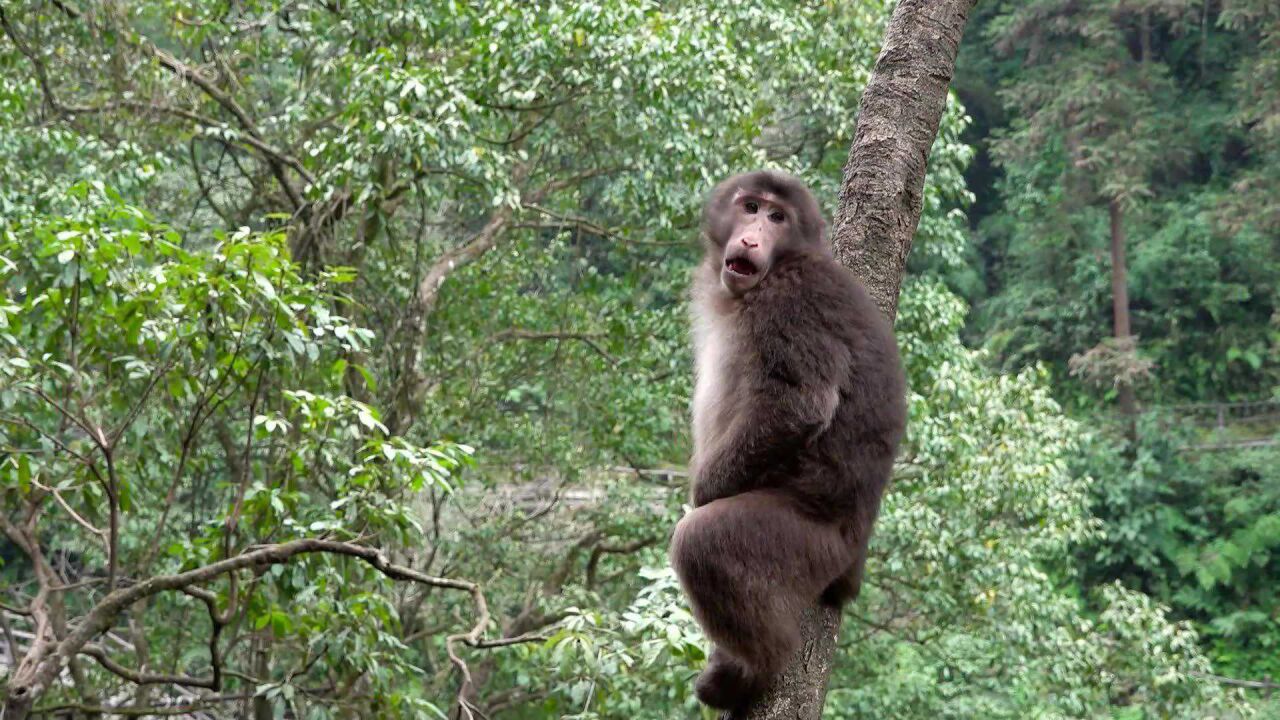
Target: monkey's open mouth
740	266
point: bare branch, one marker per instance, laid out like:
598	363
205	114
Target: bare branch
34	676
277	160
42	76
139	678
93	433
624	549
101	535
217	622
563	220
132	415
414	328
506	642
587	339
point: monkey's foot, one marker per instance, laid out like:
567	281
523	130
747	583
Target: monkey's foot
725	684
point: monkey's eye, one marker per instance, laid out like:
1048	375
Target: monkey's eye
776	216
751	206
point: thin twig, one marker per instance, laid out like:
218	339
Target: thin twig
101	535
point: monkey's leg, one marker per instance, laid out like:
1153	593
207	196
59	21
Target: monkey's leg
749	565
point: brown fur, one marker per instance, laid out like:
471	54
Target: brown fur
799	408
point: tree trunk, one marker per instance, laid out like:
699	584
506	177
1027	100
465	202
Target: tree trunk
1120	312
1119	275
262	709
1145	40
882	194
880	203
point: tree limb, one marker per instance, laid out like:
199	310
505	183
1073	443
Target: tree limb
277	162
412	384
593	562
141	678
39	669
588	339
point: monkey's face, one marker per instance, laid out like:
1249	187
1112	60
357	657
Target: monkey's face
759	225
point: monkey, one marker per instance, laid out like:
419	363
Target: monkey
799	405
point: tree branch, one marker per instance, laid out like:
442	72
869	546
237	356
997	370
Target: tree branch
96	532
277	162
39	670
588	339
880	203
140	678
593	562
411	383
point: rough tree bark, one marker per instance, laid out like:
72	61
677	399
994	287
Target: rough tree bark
880	203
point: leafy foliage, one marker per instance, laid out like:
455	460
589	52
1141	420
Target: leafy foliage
123	350
1169	107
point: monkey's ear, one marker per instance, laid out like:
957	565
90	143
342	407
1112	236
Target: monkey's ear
717	208
714	230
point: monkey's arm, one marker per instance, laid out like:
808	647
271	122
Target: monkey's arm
778	427
794	395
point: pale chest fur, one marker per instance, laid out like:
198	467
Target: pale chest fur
713	342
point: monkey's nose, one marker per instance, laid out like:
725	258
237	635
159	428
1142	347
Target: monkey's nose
748	243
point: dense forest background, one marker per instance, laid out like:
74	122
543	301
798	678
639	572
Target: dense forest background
344	368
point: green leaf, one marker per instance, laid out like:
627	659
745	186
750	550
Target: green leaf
24	474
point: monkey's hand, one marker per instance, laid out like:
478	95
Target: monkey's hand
716	477
759	449
708	487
